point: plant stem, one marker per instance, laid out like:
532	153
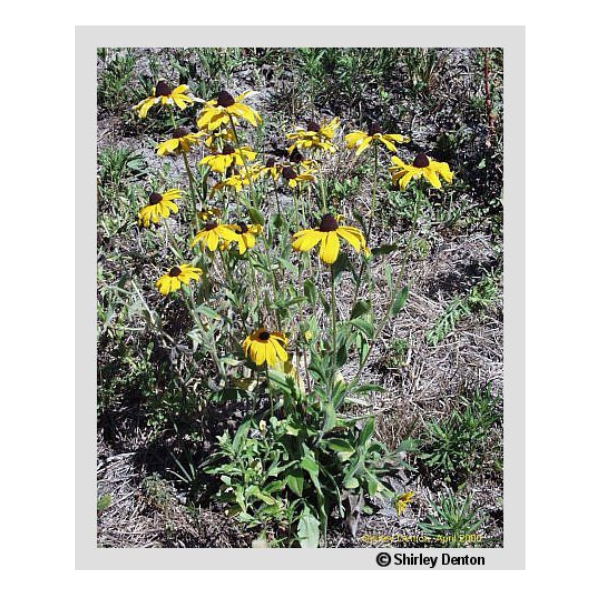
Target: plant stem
192	190
398	289
333	326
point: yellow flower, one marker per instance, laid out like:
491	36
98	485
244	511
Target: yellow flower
227	157
421	166
164	94
403	501
264	345
172	280
223	135
315	136
246	235
239	179
328	234
210	214
212	234
293	178
275	168
182	141
219	111
159	206
361	140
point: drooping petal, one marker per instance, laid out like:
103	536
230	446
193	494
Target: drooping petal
364	145
307	239
353	236
330	248
432	177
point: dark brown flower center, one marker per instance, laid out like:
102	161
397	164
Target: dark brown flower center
228	149
270	163
225	99
421	161
163	88
264	336
180	132
313	126
175	272
374	128
210	226
155	198
328	223
243	227
289	173
296	156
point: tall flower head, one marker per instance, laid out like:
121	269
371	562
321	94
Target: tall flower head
159	206
266	346
328	234
183	274
246	235
421	166
361	140
212	234
314	136
181	141
224	108
228	156
163	94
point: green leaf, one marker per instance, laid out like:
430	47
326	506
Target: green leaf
364	326
400	301
362	307
367	431
256	216
308	529
308	462
386	249
209	312
103	503
295	481
310	291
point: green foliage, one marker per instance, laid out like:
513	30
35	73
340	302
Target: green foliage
114	85
458	445
452	521
480	297
103	503
291	473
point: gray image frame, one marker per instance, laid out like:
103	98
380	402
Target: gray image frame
87	40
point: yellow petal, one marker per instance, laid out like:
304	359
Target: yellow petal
330	248
307	239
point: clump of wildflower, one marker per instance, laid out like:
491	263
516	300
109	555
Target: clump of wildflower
294	176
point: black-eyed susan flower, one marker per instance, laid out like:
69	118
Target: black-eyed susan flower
328	234
183	274
218	137
266	346
181	141
293	177
163	94
159	206
228	156
422	166
224	108
361	140
212	234
315	136
246	235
